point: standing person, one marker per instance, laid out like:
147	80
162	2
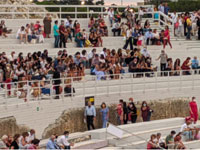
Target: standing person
111	16
57	81
194	110
163	61
166	9
105	114
47	25
167	37
125	114
90	114
141	13
62	34
129	39
189	28
120	112
56	34
132	110
63	141
198	26
146	111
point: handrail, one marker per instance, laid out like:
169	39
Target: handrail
80	6
132	134
93	85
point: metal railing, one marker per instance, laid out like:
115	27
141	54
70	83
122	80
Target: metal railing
60	10
18	92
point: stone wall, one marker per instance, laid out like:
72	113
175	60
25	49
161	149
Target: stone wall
72	120
9	126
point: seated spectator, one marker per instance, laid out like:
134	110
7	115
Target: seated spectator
170	140
148	36
3	142
3	29
93	39
63	141
34	144
51	144
152	142
156	38
15	142
169	67
91	22
116	28
160	142
23	143
21	34
195	63
103	27
177	67
178	142
187	130
186	66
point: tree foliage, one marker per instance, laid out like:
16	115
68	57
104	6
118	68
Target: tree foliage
180	5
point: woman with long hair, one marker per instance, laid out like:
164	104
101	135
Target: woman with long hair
105	114
167	37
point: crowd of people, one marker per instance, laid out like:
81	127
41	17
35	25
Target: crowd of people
40	68
126	113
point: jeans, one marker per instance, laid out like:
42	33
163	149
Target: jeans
189	28
104	122
129	41
79	43
188	135
62	41
57	38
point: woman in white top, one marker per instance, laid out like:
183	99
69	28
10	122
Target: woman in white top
28	32
180	26
111	16
21	34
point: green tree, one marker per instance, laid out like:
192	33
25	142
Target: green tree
101	2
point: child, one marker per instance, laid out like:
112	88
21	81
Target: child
140	40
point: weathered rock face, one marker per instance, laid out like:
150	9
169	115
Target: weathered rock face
20	9
72	120
9	126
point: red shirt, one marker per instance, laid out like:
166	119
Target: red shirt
166	34
61	28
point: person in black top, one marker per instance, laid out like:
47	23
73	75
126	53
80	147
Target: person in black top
125	110
15	143
57	81
198	25
132	112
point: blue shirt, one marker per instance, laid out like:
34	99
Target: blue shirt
166	10
55	28
51	145
195	63
90	111
104	113
148	35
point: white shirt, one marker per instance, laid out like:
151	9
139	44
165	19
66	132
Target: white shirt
183	127
20	32
30	137
67	23
110	14
103	53
145	53
63	140
116	26
174	17
90	55
141	13
180	22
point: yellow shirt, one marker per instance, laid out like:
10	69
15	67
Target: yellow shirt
189	22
